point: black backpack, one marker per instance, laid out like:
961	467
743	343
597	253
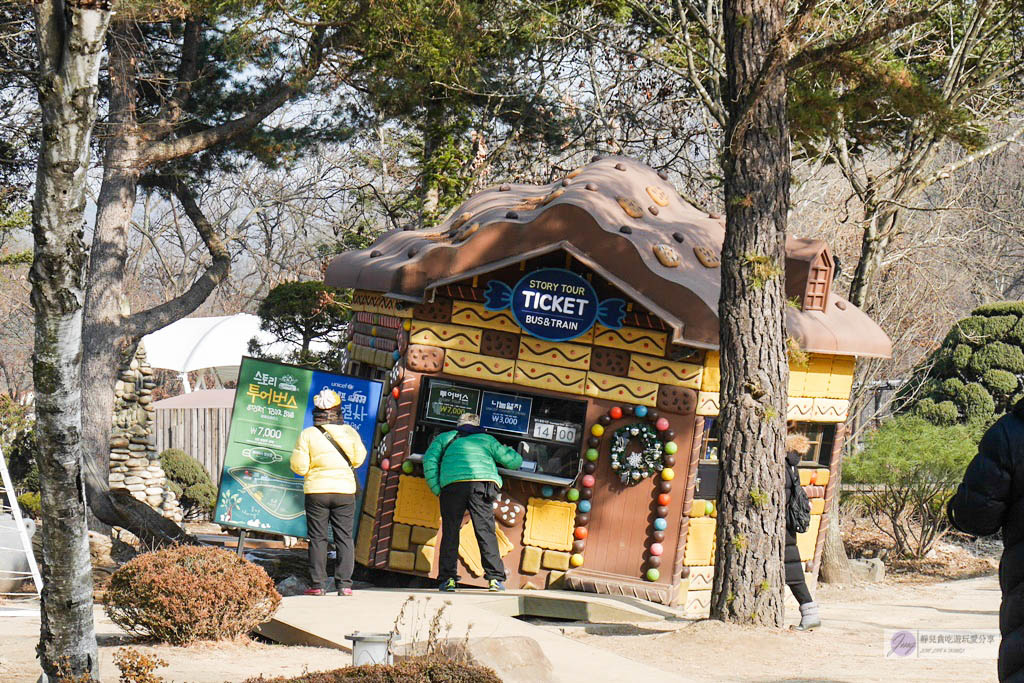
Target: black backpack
798	507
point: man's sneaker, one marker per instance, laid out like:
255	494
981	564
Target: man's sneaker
314	591
345	592
447	586
495	586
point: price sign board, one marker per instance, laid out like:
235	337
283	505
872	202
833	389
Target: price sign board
446	402
505	412
273	404
556	431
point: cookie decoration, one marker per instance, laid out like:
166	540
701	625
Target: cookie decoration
507	511
657	195
667	255
707	257
631	207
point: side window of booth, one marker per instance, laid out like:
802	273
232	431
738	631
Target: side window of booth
822	437
709	439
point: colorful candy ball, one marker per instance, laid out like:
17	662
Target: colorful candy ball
640	411
408	467
591	454
572	495
384	429
547	491
671	447
653	574
396	392
588	480
709	507
597	430
385	464
580	533
584	506
615	413
660	524
668	474
576	560
657	549
661	424
664	499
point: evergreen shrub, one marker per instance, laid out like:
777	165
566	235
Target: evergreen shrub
189	481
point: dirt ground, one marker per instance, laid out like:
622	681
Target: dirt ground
200	663
849	646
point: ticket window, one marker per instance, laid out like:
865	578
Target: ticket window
547	431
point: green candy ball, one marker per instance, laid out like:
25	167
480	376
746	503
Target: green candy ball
407	467
591	454
572	495
653	574
671	447
384	429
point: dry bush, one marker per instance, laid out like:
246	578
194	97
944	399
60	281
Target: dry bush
411	671
137	667
188	593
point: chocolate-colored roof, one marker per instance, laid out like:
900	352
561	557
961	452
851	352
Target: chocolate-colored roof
611	215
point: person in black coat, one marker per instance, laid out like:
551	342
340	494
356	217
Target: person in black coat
990	498
796	446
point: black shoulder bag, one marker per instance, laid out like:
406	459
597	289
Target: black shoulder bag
355	477
798	507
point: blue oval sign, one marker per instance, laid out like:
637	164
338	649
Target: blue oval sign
554	304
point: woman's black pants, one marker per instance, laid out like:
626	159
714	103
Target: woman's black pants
337	509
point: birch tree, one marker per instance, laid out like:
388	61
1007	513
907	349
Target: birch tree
70	37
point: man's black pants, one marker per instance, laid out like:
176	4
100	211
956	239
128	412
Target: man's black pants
474	496
338	509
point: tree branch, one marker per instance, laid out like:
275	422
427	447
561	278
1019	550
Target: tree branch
869	35
162	151
144	322
188	68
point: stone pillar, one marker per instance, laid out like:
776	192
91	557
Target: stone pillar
134	462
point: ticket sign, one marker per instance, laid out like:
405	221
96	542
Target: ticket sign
505	412
445	403
273	404
554	304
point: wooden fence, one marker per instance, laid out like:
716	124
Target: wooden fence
200	432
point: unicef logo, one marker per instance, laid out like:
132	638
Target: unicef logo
554	304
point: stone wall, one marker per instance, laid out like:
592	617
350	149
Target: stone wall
134	462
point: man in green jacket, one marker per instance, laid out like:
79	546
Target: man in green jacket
461	468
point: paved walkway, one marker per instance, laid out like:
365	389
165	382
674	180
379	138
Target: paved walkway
325	621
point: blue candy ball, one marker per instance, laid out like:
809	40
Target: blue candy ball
660	524
547	492
584	506
640	411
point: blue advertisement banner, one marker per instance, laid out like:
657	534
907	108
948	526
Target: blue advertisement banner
505	412
554	304
273	404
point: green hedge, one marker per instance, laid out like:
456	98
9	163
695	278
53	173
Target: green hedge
977	373
188	480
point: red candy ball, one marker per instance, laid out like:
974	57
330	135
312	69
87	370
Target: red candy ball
656	549
664	499
661	424
396	392
615	413
580	533
588	480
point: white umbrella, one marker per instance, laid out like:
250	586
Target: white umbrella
216	342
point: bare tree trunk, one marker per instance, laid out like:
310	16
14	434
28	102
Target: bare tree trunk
108	349
748	585
70	41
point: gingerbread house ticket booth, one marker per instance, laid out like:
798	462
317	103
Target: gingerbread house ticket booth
579	319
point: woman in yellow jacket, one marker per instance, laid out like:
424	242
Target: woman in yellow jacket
330	489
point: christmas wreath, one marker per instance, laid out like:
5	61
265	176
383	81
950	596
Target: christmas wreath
636	466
